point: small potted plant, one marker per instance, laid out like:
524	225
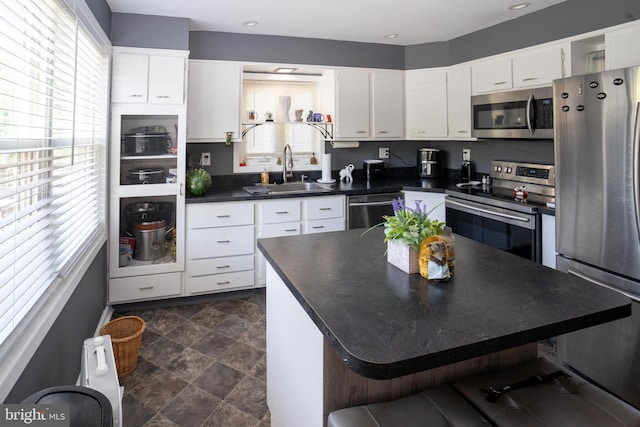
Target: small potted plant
404	232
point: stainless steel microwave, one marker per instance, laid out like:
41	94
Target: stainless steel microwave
523	114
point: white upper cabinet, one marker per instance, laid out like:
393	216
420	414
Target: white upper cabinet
426	101
459	102
213	106
166	79
531	67
622	48
539	68
129	78
154	76
388	104
352	104
492	76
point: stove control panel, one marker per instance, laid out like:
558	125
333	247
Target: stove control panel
527	173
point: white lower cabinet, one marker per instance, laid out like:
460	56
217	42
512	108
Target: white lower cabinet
222	237
220	247
549	240
147	287
290	217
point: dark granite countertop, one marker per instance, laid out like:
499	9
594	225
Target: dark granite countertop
384	323
385	185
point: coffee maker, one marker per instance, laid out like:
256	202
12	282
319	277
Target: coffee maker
466	171
429	163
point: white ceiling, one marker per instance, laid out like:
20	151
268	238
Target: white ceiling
415	21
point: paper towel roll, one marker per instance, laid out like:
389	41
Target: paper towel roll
326	167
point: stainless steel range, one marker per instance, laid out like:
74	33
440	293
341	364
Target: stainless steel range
504	214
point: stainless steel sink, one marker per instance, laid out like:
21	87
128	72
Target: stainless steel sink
294	187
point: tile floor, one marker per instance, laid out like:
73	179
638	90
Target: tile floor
200	365
204	365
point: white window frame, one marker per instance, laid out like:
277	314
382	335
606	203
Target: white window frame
282	128
21	344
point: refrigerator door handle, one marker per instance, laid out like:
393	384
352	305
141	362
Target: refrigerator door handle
528	113
600	283
636	165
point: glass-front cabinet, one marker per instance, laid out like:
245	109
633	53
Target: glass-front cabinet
147	201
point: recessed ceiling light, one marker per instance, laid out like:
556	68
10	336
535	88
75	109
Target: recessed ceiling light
250	23
391	36
519	6
284	70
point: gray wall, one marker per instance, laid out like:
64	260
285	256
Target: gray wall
293	50
149	31
102	12
57	360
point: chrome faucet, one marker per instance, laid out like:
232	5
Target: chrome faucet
287	165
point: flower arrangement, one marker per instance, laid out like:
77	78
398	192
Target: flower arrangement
410	226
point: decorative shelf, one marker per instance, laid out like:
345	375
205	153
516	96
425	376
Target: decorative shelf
325	128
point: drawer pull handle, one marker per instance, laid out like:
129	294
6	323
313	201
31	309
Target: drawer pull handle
325	209
361	131
224	241
282	212
223	266
146	288
383	131
226	282
288	230
529	79
224	216
318	226
163	96
499	83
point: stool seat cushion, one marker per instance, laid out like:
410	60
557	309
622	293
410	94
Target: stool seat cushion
437	407
561	402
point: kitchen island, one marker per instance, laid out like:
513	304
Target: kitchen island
344	327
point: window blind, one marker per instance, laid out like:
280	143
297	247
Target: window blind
53	127
270	140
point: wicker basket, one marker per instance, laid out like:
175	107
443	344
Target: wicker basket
126	336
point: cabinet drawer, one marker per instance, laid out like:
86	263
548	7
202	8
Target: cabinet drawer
279	211
323	207
277	230
149	287
220	282
220	265
219	214
217	242
323	225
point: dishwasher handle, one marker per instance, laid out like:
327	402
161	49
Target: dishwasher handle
382	203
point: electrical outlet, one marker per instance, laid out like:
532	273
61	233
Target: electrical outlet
383	153
205	159
466	154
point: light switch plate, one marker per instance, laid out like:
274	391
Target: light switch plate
466	154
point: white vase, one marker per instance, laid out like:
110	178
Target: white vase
403	256
285	106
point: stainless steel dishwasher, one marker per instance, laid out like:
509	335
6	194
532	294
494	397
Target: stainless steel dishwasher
366	210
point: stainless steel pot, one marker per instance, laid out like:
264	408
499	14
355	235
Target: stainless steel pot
146	234
146	176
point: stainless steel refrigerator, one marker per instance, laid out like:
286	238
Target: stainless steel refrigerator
597	145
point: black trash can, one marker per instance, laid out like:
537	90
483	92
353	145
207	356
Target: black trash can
88	407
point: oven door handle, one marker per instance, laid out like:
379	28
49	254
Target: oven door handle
382	203
486	210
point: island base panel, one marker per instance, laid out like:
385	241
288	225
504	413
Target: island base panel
343	388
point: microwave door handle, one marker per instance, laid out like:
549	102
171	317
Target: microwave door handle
529	112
